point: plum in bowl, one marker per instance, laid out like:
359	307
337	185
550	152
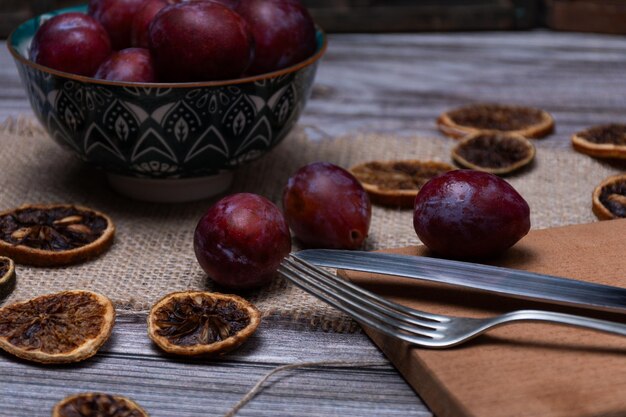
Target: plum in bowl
165	141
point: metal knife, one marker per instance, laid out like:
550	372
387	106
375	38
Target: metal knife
512	282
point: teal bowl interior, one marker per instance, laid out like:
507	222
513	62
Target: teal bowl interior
163	131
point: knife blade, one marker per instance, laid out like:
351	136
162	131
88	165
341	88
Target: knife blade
494	279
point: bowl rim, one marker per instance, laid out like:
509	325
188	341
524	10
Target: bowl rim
319	32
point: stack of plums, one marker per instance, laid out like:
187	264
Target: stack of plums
176	40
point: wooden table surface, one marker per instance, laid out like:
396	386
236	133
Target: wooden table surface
383	83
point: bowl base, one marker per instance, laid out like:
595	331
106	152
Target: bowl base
171	190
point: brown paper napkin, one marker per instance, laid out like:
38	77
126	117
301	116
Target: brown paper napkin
524	369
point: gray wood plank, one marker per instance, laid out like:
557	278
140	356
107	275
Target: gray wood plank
408	15
130	365
400	83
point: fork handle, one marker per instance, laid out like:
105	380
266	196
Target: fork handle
562	318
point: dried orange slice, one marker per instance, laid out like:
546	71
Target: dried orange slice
201	323
396	183
95	404
52	235
609	198
494	152
7	274
606	141
525	121
65	327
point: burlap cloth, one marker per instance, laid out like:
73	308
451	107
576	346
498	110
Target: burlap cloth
153	252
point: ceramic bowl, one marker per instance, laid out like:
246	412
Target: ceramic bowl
164	142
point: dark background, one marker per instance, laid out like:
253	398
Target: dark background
605	16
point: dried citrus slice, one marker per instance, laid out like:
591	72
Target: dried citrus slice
396	183
97	405
201	323
51	235
607	141
525	121
494	152
65	327
609	198
7	274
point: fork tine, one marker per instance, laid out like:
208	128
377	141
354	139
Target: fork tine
388	324
374	303
429	320
319	279
358	314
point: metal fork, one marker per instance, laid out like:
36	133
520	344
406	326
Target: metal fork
414	326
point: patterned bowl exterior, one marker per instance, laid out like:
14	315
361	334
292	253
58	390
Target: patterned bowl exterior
163	130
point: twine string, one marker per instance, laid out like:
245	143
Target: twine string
259	385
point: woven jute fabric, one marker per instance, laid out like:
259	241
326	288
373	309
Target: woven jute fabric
153	251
